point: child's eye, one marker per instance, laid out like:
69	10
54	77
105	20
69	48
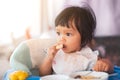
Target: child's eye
58	33
68	34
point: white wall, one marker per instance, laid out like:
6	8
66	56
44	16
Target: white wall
16	16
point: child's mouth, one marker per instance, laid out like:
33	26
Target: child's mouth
61	46
64	46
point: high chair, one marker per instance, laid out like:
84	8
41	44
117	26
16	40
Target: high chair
29	54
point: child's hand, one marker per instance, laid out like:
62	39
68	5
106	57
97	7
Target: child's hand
103	65
18	75
53	50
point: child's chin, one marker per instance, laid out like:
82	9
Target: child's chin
66	51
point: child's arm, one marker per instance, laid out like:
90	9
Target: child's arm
46	66
103	65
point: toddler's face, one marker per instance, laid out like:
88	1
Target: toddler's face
70	38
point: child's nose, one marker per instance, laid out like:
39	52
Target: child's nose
62	39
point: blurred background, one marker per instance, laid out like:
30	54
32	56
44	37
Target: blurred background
32	16
27	19
36	17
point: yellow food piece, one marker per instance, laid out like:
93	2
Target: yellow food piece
18	75
13	77
88	77
59	46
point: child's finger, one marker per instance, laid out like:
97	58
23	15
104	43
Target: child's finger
58	45
96	67
99	66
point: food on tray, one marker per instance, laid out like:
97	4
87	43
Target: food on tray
86	77
90	75
59	46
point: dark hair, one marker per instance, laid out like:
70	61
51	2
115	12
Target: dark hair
84	20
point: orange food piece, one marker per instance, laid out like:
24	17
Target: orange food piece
18	75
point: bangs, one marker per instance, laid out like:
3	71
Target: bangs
68	18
